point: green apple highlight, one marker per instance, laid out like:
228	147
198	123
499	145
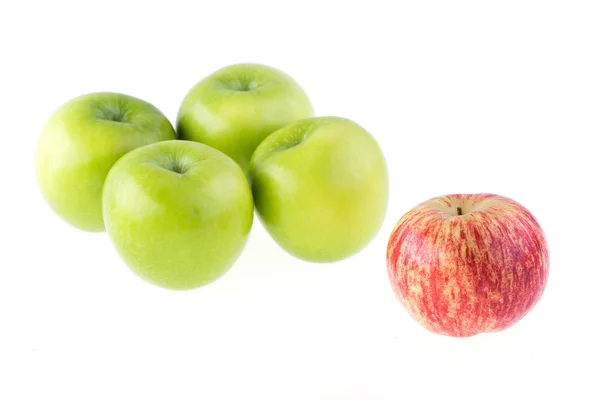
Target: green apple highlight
178	212
236	107
81	142
320	187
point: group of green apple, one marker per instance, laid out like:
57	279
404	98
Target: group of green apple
178	204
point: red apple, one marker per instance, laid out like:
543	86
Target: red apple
468	263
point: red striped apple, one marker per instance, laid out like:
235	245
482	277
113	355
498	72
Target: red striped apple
465	264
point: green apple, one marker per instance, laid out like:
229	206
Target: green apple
320	187
178	212
81	142
236	107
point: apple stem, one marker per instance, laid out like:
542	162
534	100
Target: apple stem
459	210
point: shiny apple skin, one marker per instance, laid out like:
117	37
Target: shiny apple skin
460	275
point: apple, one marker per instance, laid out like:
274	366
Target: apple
81	142
236	107
464	264
178	212
320	187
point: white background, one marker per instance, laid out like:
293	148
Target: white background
475	96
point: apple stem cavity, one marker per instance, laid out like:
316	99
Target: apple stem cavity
179	169
459	211
242	86
178	166
114	114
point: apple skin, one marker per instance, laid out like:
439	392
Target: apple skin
320	187
178	212
236	107
460	275
80	143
